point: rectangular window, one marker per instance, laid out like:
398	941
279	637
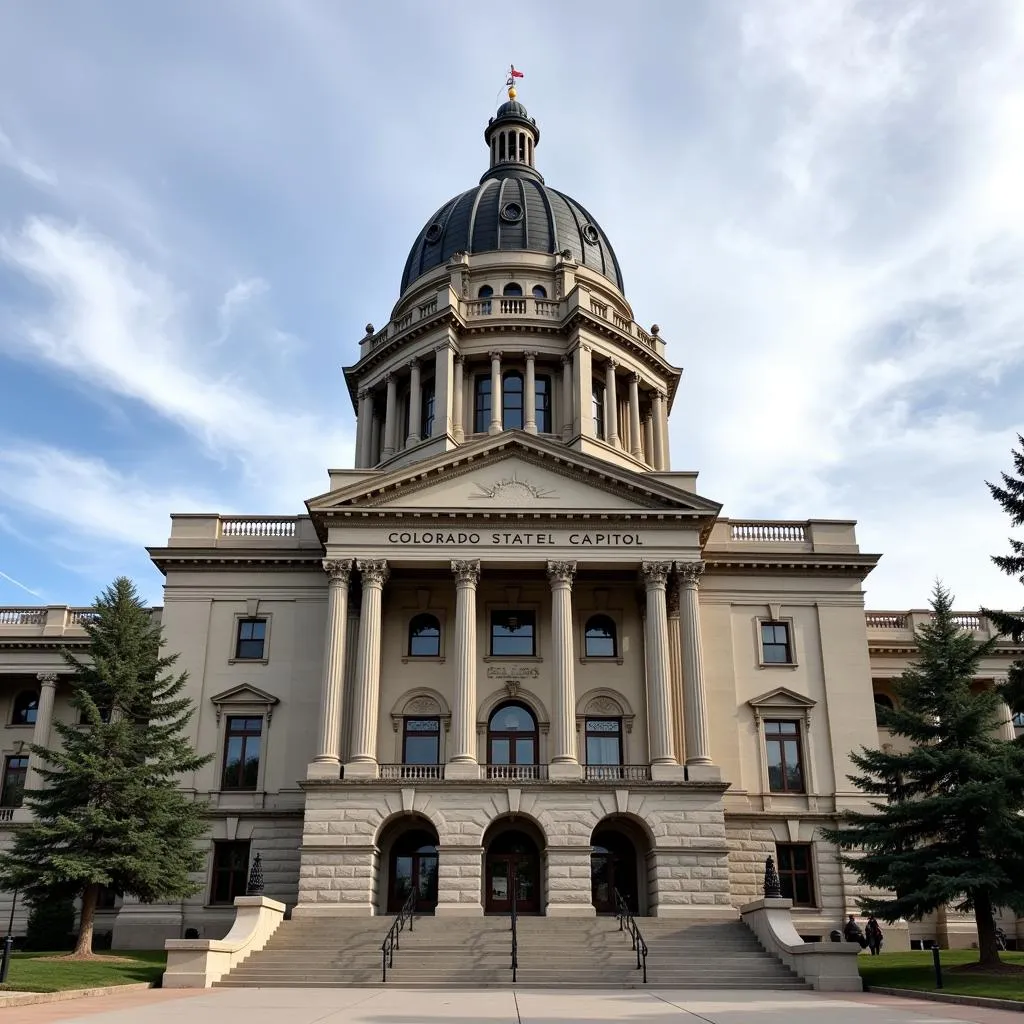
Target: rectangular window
421	741
775	644
252	638
542	405
242	753
482	405
597	410
1018	720
427	410
513	634
230	868
15	770
604	741
795	873
785	763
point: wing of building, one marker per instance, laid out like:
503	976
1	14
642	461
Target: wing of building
512	646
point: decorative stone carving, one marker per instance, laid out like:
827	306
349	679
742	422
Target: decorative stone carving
605	706
566	360
611	364
511	672
47	678
690	572
672	602
494	356
515	489
529	354
388	377
339	571
512	688
364	393
561	572
373	570
466	572
413	363
655	573
422	706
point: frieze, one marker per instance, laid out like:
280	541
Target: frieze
512	672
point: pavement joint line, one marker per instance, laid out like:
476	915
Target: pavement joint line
685	1010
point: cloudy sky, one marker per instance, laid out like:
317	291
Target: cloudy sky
202	203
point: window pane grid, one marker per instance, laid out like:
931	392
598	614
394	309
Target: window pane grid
775	645
230	870
482	405
15	772
784	755
542	405
512	402
242	753
252	635
795	873
512	634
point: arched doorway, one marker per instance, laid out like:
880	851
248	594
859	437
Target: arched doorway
411	857
617	864
512	865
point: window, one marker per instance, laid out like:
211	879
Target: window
486	291
542	404
597	410
242	753
795	873
424	637
882	701
230	870
512	634
599	637
785	764
512	290
512	736
421	741
539	291
1018	720
427	410
604	740
512	401
26	707
775	645
482	405
15	770
252	639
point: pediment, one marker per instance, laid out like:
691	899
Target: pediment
781	699
242	697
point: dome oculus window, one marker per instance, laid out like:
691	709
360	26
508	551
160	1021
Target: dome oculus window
590	234
424	637
433	233
511	213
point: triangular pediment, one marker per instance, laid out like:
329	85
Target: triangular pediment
244	697
781	699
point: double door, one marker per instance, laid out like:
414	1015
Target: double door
508	873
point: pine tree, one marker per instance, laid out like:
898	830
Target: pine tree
110	812
1011	497
947	825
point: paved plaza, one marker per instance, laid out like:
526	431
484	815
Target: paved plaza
495	1006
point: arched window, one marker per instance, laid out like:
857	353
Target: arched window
512	736
485	292
599	638
539	291
512	401
512	290
424	637
882	701
26	707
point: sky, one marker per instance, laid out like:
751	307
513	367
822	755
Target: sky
202	204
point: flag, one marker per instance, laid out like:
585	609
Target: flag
516	74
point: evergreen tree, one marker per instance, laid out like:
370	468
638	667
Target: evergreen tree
110	812
947	826
1011	497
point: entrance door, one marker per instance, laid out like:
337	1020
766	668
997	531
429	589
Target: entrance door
513	864
613	868
414	867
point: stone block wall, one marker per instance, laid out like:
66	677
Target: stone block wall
751	843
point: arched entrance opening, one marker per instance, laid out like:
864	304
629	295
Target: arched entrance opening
408	850
618	863
512	864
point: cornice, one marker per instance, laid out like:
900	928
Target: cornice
205	558
788	564
41	643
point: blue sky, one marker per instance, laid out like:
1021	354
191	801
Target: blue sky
202	204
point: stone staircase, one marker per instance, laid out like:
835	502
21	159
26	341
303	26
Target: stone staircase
476	952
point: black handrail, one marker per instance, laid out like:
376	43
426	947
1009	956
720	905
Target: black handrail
390	943
513	914
626	919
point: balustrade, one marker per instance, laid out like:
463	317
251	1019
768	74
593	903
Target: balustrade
257	527
517	772
885	620
22	616
412	771
514	306
773	533
616	772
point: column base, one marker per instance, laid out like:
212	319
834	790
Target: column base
459	910
562	771
462	770
323	770
362	770
571	910
703	773
668	773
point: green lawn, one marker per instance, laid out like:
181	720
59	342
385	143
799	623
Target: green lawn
29	973
915	970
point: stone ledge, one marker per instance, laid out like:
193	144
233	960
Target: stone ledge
33	998
949	997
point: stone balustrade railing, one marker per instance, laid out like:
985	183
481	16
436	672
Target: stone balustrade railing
258	527
412	771
906	622
769	532
49	620
22	616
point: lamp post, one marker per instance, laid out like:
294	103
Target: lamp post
5	957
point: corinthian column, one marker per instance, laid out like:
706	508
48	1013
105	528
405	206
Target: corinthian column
462	762
675	658
611	405
568	412
327	762
390	417
657	415
415	399
564	762
695	701
530	396
457	401
363	758
41	730
664	764
636	443
496	396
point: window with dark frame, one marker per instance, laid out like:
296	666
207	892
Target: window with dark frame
512	736
513	634
785	760
482	405
597	409
539	291
26	707
883	701
252	639
230	870
512	401
427	410
604	741
424	636
421	741
242	742
15	773
599	640
512	290
485	292
776	646
796	873
542	404
1018	720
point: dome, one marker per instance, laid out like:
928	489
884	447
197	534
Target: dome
512	209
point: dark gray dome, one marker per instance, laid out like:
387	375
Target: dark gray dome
515	211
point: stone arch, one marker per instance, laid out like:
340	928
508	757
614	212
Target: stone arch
390	832
604	702
525	838
513	692
420	701
623	848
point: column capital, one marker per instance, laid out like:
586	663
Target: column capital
389	378
672	602
634	378
585	347
566	359
338	570
611	363
47	678
413	363
364	393
657	395
561	572
446	345
655	574
495	357
459	357
373	570
466	572
529	354
689	574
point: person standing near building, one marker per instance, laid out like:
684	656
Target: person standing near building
873	933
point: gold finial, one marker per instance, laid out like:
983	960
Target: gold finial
511	92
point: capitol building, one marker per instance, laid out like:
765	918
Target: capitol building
515	647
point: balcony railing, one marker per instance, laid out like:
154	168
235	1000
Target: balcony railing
412	771
517	772
266	527
6	814
616	772
770	533
22	616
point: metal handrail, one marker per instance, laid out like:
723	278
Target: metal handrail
513	914
626	919
390	943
